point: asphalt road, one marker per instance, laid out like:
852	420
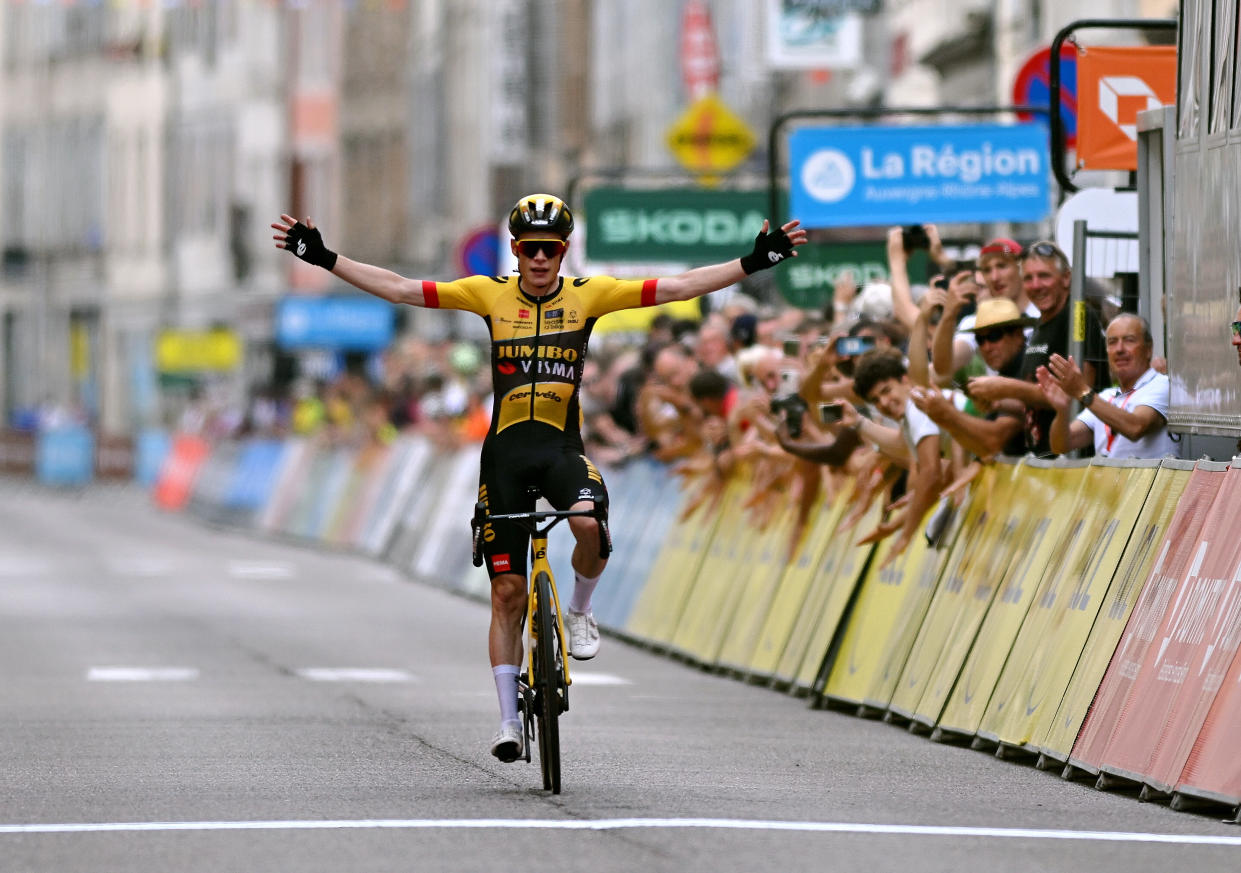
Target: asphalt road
181	698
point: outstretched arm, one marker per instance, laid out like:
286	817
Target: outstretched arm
770	249
305	242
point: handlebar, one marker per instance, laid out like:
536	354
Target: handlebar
532	520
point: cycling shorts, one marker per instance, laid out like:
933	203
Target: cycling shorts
511	463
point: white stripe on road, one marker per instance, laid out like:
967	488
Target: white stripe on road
260	569
141	674
354	674
609	824
580	678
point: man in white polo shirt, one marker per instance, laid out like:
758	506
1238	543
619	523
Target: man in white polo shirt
1125	421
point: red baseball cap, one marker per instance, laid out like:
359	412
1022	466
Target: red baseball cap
1001	246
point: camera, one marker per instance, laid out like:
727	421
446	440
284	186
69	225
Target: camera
915	237
788	403
793	408
792	346
830	413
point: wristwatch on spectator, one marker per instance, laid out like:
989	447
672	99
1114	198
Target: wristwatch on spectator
1086	398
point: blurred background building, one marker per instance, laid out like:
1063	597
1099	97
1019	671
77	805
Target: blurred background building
146	146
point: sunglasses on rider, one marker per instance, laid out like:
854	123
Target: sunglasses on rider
550	247
1236	328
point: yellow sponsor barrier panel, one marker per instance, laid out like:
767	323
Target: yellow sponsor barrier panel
759	586
1056	742
843	564
985	503
795	583
962	600
657	610
734	583
1048	494
709	590
884	621
1064	609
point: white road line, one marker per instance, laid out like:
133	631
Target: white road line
354	674
260	569
631	823
580	678
141	674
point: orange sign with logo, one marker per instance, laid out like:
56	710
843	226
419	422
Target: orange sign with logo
1113	86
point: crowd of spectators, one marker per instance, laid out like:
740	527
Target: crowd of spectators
899	391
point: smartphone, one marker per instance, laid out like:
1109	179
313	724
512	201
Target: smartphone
829	413
940	282
790	381
852	346
792	346
914	237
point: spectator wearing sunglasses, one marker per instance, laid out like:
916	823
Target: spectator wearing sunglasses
1046	273
997	274
1127	421
998	427
540	325
1236	335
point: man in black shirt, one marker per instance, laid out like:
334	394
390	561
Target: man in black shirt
1046	274
999	330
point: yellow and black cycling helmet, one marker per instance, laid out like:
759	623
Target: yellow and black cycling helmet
543	213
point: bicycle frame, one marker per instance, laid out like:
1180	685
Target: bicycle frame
539	563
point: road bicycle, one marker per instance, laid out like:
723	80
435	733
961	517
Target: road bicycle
543	689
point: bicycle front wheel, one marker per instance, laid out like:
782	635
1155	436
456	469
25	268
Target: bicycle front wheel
547	680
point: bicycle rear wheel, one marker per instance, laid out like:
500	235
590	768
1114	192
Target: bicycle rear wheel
548	674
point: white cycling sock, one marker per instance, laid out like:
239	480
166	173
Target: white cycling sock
506	688
583	589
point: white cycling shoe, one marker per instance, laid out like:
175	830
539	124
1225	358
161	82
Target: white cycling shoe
583	633
507	743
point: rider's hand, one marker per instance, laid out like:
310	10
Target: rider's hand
305	241
770	248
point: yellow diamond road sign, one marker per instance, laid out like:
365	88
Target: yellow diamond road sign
709	137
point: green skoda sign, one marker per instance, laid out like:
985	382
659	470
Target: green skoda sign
699	226
677	225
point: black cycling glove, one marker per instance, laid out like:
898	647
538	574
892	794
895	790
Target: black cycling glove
769	249
307	244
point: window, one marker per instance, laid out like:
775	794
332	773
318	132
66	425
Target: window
1188	109
1223	57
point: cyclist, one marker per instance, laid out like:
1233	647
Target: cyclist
540	323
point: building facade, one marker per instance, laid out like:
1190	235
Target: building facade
147	146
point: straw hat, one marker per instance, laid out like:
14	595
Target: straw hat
1000	312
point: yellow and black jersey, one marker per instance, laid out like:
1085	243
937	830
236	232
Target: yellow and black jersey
538	344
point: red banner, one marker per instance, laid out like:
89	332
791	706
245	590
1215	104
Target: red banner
1175	553
700	58
1213	770
1113	86
176	477
1191	652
